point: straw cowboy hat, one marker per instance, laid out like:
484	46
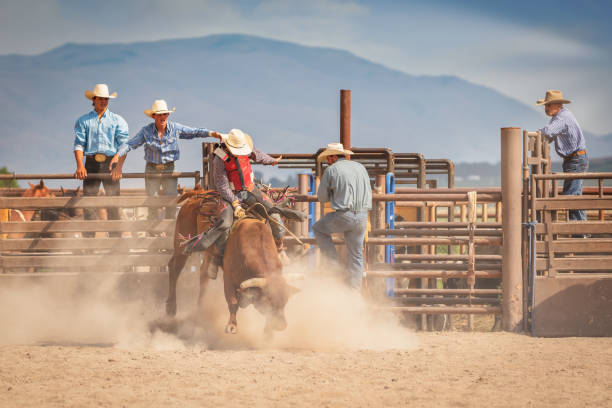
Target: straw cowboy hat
100	90
334	149
552	96
238	142
159	106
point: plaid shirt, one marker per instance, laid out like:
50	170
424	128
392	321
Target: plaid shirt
566	133
166	149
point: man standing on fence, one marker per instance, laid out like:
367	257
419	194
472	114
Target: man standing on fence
564	130
346	185
161	150
98	135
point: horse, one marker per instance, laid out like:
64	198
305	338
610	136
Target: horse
195	216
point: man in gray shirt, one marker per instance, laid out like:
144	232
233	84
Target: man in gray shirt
346	185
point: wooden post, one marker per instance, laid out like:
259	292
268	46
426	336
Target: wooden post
345	118
511	222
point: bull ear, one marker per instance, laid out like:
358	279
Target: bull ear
31	185
292	290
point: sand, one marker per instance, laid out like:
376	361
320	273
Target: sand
82	344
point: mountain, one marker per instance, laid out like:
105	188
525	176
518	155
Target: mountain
284	94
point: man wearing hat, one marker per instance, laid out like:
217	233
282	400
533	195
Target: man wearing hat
161	150
235	182
346	185
564	130
98	135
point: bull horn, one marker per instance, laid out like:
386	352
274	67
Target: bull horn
253	283
293	276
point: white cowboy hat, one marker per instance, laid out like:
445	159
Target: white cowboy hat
238	142
334	149
552	96
159	106
100	90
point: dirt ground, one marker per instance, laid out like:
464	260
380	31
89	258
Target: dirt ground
444	370
81	344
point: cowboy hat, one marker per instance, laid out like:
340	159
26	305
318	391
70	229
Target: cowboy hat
159	106
238	142
100	90
552	96
334	149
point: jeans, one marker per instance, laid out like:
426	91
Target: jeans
576	164
91	187
353	224
225	217
153	185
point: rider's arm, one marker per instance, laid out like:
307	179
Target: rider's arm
221	181
261	158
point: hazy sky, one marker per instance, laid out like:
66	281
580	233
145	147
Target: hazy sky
520	48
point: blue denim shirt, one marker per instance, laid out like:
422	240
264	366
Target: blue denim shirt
166	149
346	185
100	136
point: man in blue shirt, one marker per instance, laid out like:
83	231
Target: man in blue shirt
564	130
161	150
346	185
98	134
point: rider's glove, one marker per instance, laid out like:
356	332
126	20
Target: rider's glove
238	210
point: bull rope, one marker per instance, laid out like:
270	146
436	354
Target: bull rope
252	212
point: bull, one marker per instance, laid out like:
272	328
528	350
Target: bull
252	269
253	274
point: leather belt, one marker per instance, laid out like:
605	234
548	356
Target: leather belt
161	166
576	153
99	157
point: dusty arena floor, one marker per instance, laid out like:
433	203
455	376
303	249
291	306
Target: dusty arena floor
70	345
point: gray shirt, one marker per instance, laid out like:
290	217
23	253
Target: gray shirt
346	185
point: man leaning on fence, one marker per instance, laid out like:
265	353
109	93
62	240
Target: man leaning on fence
346	185
161	151
564	130
98	135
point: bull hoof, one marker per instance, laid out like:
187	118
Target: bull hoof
171	308
231	329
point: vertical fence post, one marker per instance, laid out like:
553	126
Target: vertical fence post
511	224
390	221
345	118
303	189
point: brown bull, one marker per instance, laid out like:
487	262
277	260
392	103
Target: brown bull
253	273
252	270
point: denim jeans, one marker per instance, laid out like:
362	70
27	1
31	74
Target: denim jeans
153	186
576	164
353	224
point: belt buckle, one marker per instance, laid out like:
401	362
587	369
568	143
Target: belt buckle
100	158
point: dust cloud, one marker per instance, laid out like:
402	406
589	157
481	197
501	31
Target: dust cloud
127	311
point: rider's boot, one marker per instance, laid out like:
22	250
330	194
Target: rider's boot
213	265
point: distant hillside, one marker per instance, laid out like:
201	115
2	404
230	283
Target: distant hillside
285	95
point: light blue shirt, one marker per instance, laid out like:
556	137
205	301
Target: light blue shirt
100	136
166	149
346	185
563	128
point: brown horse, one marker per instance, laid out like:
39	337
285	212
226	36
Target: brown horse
193	218
15	215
